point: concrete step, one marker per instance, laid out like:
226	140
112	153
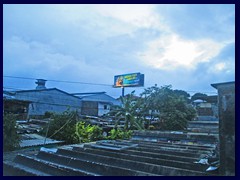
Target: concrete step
159	135
47	167
172	144
154	155
167	151
165	161
192	146
177	150
108	160
16	169
93	167
159	167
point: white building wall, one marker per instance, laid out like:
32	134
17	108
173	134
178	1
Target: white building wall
103	108
205	105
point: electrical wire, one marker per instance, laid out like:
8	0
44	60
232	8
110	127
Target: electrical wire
99	84
74	82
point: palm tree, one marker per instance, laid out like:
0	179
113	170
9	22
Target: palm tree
128	112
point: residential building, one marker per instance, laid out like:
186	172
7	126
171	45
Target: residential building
206	108
96	103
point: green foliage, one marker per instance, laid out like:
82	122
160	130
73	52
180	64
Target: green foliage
183	94
128	113
88	133
172	105
67	127
11	139
119	134
62	127
199	96
48	114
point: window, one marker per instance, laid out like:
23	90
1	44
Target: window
105	107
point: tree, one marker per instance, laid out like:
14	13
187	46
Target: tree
11	139
199	96
184	94
128	112
172	105
62	127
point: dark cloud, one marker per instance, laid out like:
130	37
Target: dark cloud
196	21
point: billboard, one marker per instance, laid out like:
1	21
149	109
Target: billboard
129	80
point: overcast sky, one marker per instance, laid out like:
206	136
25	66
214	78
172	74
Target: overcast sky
187	46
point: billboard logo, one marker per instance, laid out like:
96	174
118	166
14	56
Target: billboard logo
129	80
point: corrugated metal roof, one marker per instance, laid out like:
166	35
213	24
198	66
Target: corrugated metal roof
101	98
37	140
49	89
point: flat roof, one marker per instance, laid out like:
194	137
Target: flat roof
215	85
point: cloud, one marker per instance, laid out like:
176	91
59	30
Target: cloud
39	60
172	52
38	57
92	43
139	15
194	21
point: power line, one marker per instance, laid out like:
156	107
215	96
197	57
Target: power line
73	82
188	91
99	84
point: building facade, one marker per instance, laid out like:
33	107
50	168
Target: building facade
96	104
48	100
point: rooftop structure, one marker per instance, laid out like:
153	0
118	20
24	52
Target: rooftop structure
135	157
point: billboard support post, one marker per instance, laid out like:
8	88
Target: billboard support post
122	91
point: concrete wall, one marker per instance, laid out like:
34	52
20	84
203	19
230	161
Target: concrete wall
226	100
103	108
93	108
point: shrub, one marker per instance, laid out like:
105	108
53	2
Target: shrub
119	134
11	139
62	127
88	133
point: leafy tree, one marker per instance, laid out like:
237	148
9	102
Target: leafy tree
199	96
184	94
11	139
173	107
62	127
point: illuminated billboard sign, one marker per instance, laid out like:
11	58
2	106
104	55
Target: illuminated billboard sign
129	80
